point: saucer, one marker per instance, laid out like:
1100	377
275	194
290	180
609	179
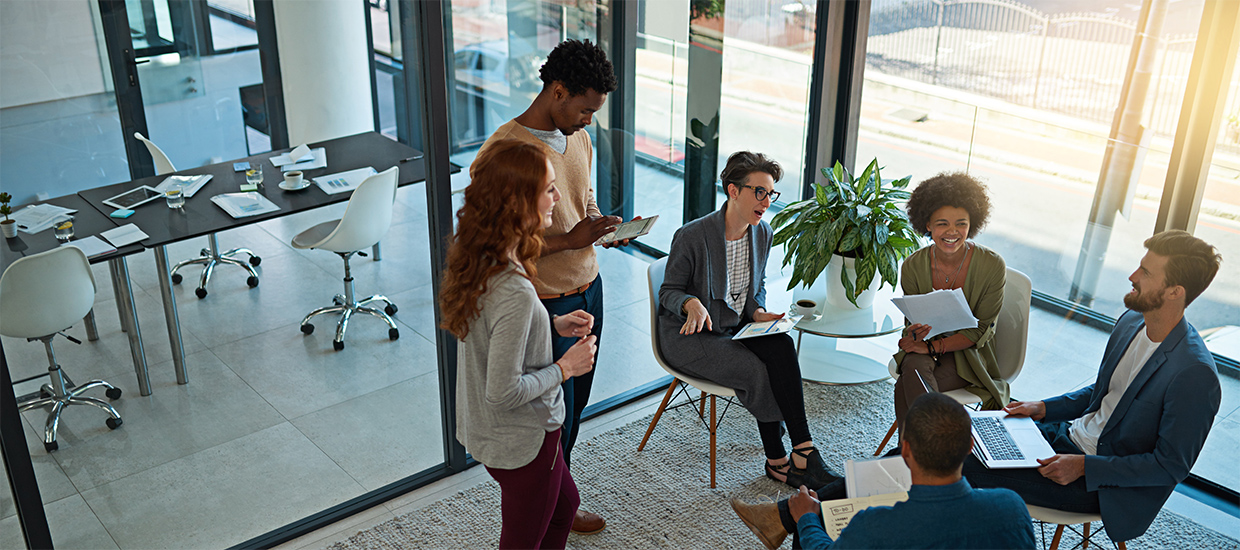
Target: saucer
285	186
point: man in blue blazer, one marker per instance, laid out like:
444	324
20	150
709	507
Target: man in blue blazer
1125	441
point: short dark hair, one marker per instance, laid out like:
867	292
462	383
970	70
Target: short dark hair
956	189
1191	262
742	163
939	431
579	66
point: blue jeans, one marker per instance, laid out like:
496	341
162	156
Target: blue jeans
576	389
1030	485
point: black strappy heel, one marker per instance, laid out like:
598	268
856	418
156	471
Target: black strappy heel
816	475
781	470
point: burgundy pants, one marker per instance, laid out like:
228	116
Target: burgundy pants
538	500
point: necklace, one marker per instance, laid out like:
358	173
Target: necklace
947	278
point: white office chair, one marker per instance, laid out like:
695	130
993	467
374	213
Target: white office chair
680	381
1010	340
366	220
1062	519
40	296
210	256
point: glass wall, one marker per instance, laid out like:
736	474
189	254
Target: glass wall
1024	100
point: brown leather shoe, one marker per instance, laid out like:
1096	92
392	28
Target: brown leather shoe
589	523
763	519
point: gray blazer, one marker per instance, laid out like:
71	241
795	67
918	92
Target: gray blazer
697	268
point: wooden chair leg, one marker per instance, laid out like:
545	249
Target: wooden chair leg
1121	545
659	413
702	404
887	438
1085	537
713	428
1055	540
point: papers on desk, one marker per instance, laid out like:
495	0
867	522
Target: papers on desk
124	235
92	246
189	184
344	182
37	217
942	310
241	205
301	158
767	328
880	482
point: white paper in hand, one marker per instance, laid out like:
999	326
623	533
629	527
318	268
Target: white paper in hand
942	310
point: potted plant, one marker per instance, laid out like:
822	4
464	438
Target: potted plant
856	225
8	227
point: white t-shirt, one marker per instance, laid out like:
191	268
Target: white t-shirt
1085	431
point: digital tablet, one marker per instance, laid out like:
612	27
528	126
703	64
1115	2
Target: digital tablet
133	198
629	230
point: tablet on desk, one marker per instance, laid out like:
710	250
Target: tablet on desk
133	198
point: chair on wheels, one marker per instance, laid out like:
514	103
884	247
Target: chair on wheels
681	381
1063	519
40	296
366	220
211	256
1010	340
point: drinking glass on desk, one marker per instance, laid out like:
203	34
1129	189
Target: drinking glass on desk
175	195
64	230
254	176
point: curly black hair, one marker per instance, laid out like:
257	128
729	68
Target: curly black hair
949	189
579	66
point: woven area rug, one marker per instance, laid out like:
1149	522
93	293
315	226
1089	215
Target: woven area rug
659	498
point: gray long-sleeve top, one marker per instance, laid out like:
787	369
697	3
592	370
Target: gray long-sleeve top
508	391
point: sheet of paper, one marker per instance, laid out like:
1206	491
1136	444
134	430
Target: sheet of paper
124	235
300	153
837	513
317	159
91	246
880	476
942	310
38	217
241	205
190	184
343	182
778	326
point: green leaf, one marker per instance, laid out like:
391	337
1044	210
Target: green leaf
849	241
880	234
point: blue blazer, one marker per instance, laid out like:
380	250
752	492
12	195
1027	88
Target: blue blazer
1156	430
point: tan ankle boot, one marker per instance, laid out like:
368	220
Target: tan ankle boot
763	519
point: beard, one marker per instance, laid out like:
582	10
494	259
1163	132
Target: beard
1141	302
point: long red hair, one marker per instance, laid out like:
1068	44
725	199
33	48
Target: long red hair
500	214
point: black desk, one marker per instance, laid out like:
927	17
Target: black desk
202	217
89	221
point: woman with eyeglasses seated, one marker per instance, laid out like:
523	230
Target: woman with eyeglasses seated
952	208
714	284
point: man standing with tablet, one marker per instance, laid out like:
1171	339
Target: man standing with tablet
576	80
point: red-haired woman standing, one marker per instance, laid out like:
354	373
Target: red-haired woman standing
509	405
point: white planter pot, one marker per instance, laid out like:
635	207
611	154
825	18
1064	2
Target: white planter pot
836	295
9	230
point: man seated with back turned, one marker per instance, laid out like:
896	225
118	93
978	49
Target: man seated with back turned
942	510
1125	441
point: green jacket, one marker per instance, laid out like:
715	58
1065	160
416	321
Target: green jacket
983	290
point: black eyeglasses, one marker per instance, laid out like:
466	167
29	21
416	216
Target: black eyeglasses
761	193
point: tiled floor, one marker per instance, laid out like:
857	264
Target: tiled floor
227	457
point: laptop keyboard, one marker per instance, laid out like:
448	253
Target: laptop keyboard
996	438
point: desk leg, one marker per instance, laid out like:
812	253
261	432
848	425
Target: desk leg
374	251
92	332
170	314
120	297
120	275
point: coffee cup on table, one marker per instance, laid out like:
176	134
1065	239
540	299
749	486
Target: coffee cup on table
806	308
293	178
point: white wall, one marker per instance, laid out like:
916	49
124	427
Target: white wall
323	62
48	51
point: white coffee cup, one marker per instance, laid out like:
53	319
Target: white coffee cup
806	308
292	178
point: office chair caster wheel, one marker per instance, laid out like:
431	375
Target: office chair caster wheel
307	328
252	281
254	261
337	345
393	334
391	309
176	278
49	447
113	393
114	423
200	293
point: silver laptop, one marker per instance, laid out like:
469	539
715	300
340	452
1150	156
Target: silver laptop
1002	441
